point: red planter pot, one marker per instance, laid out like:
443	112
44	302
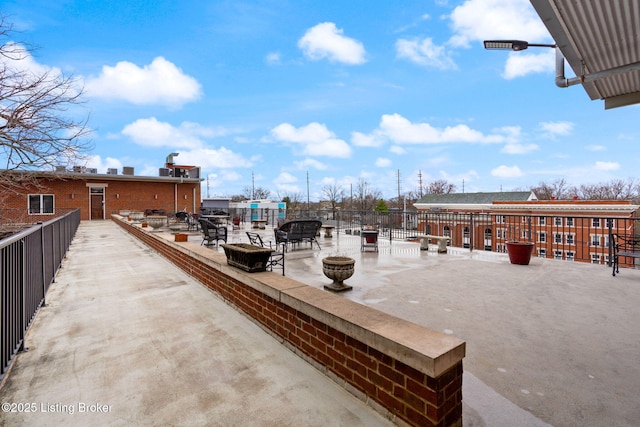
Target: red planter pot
520	252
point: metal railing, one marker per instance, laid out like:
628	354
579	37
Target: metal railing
28	263
562	237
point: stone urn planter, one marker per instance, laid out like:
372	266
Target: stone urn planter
338	269
247	257
124	213
156	221
520	252
136	217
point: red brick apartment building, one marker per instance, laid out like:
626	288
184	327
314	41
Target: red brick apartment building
99	195
573	230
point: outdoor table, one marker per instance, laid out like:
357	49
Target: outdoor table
327	230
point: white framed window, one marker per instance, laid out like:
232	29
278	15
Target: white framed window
557	221
570	222
595	259
500	219
557	238
595	240
542	237
571	238
40	204
595	222
542	253
542	220
557	254
570	256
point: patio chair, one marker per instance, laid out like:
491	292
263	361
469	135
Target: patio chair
212	233
277	258
192	222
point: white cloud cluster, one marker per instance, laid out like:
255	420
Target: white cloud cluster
557	128
160	82
314	138
504	171
401	131
153	133
477	20
425	53
326	41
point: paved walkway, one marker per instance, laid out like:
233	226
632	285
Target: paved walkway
127	339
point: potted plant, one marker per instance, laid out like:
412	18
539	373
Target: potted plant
519	250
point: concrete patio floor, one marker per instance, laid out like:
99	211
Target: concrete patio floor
552	343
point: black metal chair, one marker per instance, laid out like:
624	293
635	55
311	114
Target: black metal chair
212	233
277	257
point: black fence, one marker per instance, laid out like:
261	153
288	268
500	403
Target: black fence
28	264
570	238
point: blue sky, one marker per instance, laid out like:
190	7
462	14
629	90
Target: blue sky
333	90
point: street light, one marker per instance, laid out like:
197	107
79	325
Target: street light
515	45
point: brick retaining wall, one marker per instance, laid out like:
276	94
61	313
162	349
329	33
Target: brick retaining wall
409	373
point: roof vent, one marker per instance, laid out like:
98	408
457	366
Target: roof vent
127	170
112	171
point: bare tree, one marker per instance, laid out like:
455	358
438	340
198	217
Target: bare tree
616	189
440	186
366	196
334	193
257	193
558	189
35	130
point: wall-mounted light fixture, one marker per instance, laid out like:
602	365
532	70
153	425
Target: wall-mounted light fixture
117	195
185	197
72	196
155	197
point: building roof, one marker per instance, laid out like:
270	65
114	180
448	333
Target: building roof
476	198
600	41
68	175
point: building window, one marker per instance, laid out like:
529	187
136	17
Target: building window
542	253
542	237
557	254
595	222
542	220
40	204
611	223
558	221
570	239
570	256
500	219
569	222
558	238
595	240
595	259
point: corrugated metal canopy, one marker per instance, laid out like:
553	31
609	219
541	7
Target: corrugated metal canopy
597	36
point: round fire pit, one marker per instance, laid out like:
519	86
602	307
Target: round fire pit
338	269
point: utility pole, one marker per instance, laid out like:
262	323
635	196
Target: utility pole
308	207
420	183
253	187
398	188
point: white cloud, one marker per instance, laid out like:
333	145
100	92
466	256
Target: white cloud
363	140
477	20
102	165
396	149
607	166
315	139
520	64
160	82
307	164
425	53
210	158
507	172
325	40
400	130
557	128
153	133
273	58
286	178
515	148
596	148
382	162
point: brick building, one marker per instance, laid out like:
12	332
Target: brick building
99	195
572	230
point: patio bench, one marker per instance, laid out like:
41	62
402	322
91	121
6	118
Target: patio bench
624	246
297	231
425	238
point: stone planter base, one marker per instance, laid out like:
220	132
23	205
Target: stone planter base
338	269
247	257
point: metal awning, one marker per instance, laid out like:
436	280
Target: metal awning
600	40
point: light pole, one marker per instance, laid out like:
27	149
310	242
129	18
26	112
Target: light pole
515	45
